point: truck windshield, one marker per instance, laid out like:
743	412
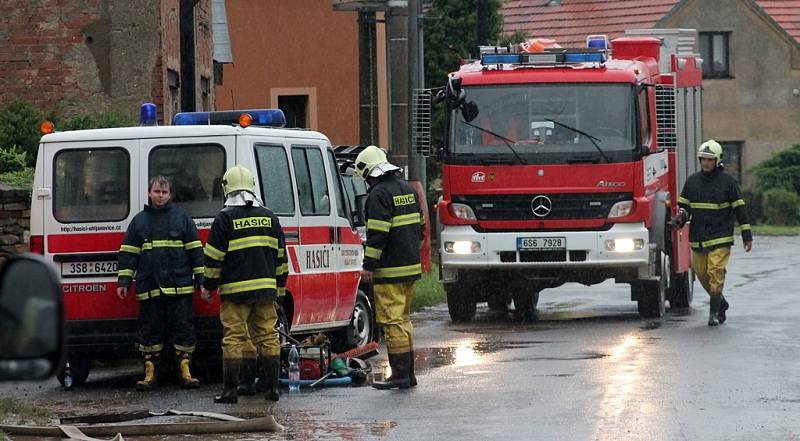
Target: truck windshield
538	118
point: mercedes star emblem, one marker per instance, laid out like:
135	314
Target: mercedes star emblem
541	206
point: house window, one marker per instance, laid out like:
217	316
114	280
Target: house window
732	158
295	107
715	50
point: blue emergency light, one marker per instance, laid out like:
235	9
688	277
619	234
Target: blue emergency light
261	117
500	58
148	115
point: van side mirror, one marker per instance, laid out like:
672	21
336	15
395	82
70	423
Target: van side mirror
359	214
31	319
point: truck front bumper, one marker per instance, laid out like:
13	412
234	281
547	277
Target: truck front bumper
623	245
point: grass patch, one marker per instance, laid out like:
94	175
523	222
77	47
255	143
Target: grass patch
16	411
429	291
774	230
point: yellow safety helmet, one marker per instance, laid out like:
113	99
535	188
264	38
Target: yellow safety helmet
710	149
238	178
372	162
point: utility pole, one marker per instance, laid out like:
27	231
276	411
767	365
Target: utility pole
416	162
483	22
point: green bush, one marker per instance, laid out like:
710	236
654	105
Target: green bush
19	126
19	133
754	201
781	207
782	170
12	158
94	120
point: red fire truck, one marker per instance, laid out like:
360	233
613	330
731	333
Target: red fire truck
564	165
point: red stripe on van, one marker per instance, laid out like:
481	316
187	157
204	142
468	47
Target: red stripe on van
89	242
315	235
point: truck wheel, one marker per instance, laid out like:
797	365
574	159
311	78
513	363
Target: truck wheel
79	367
525	301
460	302
682	290
361	329
652	295
498	302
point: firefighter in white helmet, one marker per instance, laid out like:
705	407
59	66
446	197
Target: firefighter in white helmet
711	200
246	261
392	258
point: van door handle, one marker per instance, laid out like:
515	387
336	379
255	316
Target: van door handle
44	193
332	235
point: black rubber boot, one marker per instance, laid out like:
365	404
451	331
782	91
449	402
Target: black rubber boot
713	314
270	371
412	379
247	380
230	379
400	368
722	308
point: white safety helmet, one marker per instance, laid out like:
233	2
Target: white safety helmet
710	149
372	162
238	178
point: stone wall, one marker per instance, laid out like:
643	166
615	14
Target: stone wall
15	220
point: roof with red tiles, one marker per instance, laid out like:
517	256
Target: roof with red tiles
570	21
786	13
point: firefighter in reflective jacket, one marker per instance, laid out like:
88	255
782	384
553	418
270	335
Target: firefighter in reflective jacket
246	261
162	252
710	200
392	259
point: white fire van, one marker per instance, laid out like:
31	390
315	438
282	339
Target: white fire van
89	184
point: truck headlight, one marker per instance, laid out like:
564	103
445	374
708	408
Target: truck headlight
462	247
462	211
620	209
624	245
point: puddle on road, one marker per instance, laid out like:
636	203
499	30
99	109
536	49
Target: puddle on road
471	353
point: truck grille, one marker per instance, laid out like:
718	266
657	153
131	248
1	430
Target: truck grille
563	205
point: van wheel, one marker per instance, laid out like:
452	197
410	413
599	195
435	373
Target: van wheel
79	367
361	329
460	302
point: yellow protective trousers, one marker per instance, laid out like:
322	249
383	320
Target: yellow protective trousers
393	307
245	322
710	268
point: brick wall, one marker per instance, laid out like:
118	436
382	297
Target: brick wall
15	220
74	55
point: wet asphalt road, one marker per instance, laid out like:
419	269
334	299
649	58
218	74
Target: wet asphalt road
588	369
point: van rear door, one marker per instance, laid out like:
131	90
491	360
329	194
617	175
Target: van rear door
195	167
94	195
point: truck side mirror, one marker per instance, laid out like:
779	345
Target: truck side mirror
359	214
469	110
31	319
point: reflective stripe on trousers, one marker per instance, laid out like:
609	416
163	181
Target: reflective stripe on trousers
393	306
710	268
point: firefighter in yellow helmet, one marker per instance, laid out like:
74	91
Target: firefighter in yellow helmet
246	262
711	200
392	258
